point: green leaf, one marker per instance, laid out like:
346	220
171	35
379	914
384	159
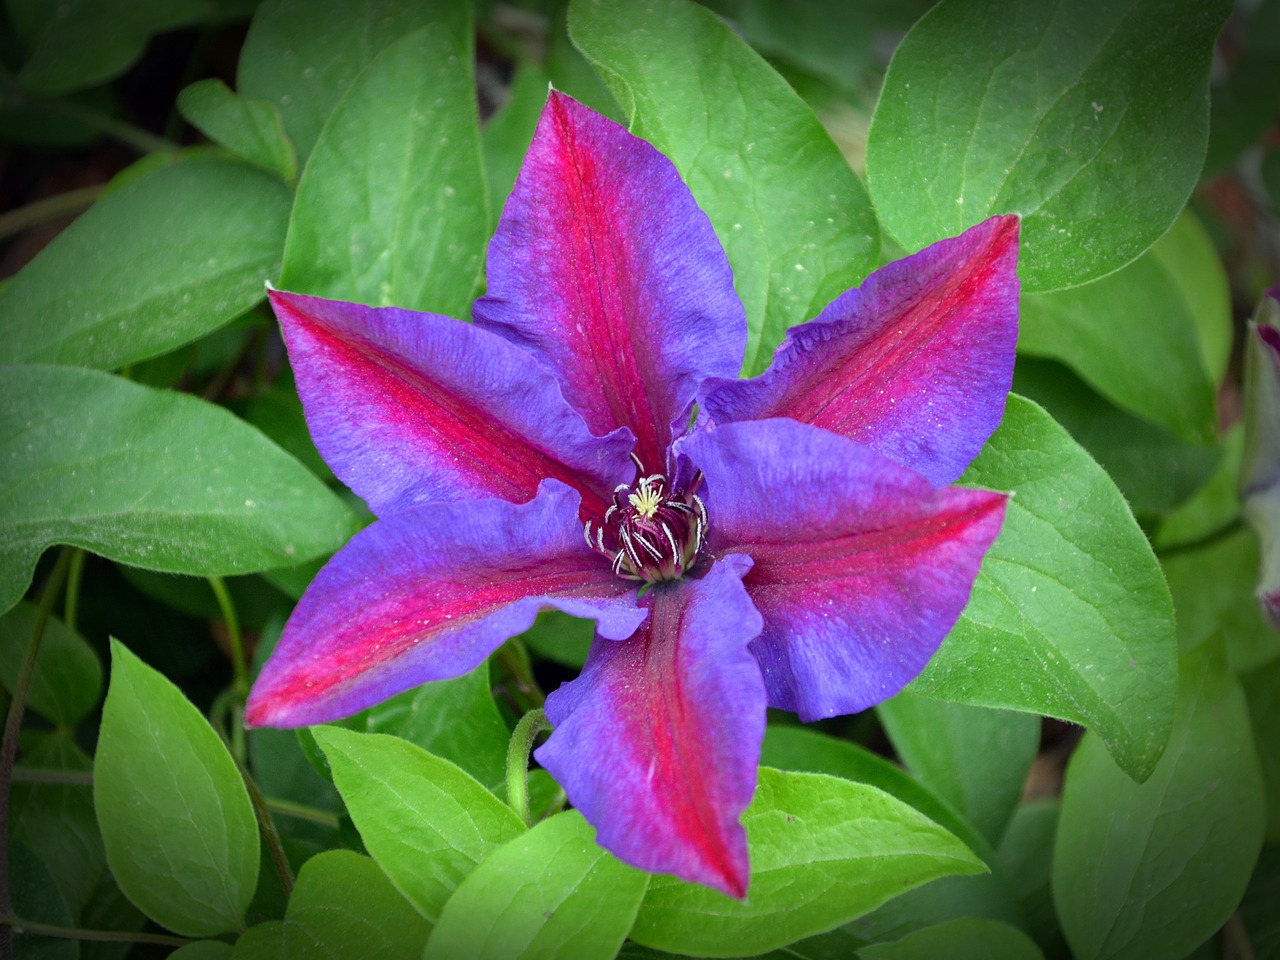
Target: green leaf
1153	869
1262	692
823	851
86	42
1258	909
156	479
975	758
36	897
180	834
427	822
560	637
1215	505
808	751
549	893
344	906
68	677
392	207
1079	116
303	55
56	820
507	134
1155	470
1244	104
265	941
160	262
1026	855
1070	615
1132	336
793	218
251	128
456	720
1212	587
203	950
968	939
1191	261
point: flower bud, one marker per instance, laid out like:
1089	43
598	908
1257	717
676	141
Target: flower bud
1260	467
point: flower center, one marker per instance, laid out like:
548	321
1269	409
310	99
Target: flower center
651	532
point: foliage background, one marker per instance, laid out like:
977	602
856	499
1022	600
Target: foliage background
161	505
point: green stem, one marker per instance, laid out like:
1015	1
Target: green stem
50	208
71	603
71	778
531	724
9	745
238	665
275	849
301	812
19	925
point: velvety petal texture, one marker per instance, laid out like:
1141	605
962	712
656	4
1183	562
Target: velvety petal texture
411	408
861	566
427	595
604	266
658	740
916	363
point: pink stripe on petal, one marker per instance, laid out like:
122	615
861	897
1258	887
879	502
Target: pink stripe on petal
604	266
861	569
658	740
427	595
409	408
915	363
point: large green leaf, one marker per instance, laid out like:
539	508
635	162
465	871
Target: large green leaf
1189	258
1133	337
549	893
793	218
35	897
84	42
1089	118
808	751
974	757
68	676
1070	615
1026	856
1153	869
427	822
823	851
971	938
507	134
303	55
344	906
392	207
456	720
179	831
147	477
159	262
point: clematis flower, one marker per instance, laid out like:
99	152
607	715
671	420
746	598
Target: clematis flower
1260	466
797	547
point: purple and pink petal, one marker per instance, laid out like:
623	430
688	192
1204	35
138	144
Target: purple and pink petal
427	595
604	267
916	363
658	740
411	408
861	567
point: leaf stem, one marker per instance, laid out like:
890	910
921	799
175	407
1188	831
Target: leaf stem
301	811
17	924
50	208
9	745
270	836
238	665
71	602
531	724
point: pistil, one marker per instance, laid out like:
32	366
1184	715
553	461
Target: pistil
651	533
